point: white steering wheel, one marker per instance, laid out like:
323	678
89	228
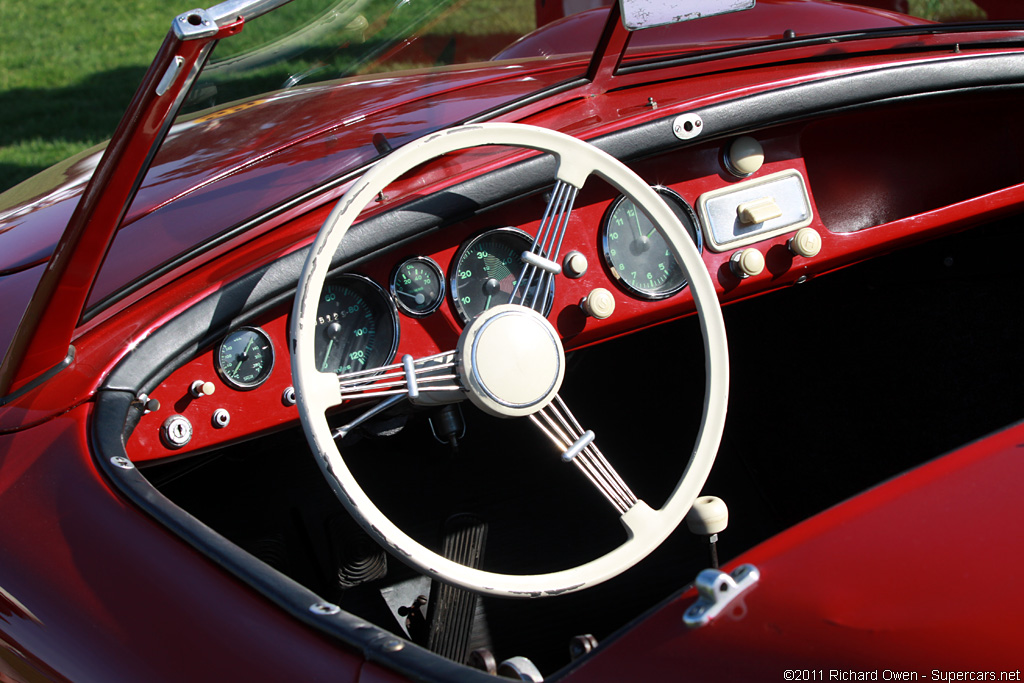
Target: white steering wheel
513	378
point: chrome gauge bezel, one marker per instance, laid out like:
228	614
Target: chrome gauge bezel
686	216
453	269
394	287
264	374
388	302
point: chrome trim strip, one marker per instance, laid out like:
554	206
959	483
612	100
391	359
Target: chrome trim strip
231	10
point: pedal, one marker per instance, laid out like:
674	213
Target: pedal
457	624
357	557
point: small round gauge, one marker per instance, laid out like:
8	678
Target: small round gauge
245	358
486	269
356	326
636	253
418	286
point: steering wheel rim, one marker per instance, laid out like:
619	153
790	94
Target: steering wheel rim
316	392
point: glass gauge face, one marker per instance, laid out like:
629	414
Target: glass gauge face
486	269
245	358
418	286
637	255
356	326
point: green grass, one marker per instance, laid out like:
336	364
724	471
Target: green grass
68	69
946	10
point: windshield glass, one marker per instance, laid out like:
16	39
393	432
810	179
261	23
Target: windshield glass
310	41
310	93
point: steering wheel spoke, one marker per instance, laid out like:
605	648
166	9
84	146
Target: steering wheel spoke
577	446
415	378
541	263
429	380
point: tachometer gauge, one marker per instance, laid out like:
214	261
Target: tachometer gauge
637	255
245	358
485	271
356	326
418	286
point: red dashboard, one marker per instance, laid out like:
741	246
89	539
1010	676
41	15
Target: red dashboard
850	211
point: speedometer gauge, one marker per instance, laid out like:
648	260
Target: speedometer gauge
356	326
486	269
245	358
638	255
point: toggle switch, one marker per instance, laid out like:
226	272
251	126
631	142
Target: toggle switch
758	211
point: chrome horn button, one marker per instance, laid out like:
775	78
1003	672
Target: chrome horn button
511	361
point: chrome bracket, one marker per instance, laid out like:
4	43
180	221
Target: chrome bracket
194	24
717	591
687	126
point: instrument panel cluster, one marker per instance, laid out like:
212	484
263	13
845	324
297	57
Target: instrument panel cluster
617	275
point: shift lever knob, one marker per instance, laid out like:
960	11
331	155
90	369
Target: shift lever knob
707	518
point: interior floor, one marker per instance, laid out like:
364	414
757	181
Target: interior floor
837	384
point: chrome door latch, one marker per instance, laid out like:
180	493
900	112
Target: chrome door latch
717	591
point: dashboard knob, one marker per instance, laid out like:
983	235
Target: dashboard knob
806	242
600	303
746	263
200	388
744	157
574	265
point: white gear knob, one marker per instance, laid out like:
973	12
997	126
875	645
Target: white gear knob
708	516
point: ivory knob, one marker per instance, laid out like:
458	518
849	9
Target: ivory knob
747	263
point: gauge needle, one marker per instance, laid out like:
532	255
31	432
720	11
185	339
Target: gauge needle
242	356
327	355
491	287
639	232
415	296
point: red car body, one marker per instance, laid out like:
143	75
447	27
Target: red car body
885	550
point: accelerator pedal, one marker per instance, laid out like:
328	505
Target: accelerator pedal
457	624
